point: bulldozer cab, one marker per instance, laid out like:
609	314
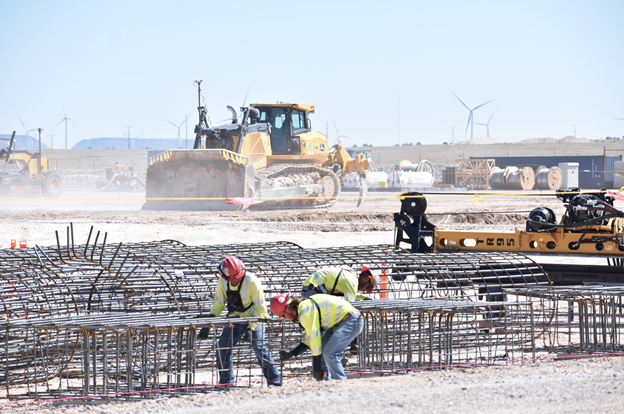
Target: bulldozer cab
286	124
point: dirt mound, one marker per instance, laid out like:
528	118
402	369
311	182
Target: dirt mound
570	138
479	141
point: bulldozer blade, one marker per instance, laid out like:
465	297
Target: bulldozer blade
363	189
197	183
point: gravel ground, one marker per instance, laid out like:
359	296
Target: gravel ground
554	386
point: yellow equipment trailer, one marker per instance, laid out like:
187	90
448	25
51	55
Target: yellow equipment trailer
590	226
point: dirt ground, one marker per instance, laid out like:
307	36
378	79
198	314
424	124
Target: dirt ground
553	386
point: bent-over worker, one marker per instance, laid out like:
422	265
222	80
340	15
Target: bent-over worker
340	281
243	294
330	324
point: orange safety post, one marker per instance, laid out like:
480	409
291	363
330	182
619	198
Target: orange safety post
13	244
23	244
383	287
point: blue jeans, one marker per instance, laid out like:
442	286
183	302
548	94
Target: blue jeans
335	340
230	335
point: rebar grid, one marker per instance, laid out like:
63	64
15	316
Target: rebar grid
120	356
402	335
168	276
96	318
577	319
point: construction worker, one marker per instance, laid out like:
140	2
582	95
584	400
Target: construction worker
336	281
340	281
330	324
243	294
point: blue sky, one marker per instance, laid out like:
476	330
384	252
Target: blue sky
381	72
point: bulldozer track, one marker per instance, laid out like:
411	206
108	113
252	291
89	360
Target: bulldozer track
292	171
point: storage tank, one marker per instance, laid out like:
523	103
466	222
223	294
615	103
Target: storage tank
374	179
410	180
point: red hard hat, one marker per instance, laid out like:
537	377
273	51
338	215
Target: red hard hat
232	269
278	304
373	275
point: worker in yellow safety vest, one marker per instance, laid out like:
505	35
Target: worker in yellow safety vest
330	324
340	281
242	293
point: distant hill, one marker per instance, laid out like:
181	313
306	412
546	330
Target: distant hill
22	142
479	141
139	143
569	138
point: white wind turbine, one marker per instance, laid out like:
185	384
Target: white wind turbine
179	126
470	117
65	119
487	126
26	132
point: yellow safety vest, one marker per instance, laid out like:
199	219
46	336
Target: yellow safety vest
330	311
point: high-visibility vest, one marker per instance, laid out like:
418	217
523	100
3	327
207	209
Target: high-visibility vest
336	281
321	311
251	292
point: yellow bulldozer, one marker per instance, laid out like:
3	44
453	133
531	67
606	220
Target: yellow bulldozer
269	158
25	169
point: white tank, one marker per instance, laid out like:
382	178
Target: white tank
410	179
376	179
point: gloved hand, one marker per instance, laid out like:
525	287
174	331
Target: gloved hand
318	375
204	333
206	315
285	355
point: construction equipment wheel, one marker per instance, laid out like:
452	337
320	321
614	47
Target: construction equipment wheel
331	188
52	185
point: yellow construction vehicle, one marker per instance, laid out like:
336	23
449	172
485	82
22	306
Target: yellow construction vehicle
120	178
25	169
270	157
591	225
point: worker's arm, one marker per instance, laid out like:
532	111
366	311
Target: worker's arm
312	325
295	352
220	299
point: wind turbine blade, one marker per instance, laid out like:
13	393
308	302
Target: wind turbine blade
462	102
336	129
619	119
491	116
20	118
480	124
481	105
60	122
138	136
170	122
245	100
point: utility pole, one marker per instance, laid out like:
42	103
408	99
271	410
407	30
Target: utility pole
51	141
452	134
574	130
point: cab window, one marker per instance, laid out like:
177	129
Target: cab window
298	120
